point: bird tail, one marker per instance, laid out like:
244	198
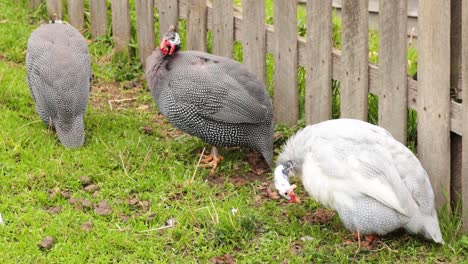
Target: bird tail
426	225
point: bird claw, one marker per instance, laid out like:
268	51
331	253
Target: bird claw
211	161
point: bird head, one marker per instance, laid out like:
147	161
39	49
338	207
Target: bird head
282	185
170	41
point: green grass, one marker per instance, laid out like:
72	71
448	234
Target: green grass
127	163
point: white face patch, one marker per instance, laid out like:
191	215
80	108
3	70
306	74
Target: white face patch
175	39
282	184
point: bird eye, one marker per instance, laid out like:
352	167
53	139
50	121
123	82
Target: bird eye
286	193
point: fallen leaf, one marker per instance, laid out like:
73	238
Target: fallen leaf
226	259
102	208
46	243
296	248
123	217
3	21
53	193
91	188
87	226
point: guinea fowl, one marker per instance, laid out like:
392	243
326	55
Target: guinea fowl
59	73
373	181
214	98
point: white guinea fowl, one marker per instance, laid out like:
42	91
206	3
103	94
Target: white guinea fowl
373	181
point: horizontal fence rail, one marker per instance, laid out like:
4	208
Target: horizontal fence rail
438	114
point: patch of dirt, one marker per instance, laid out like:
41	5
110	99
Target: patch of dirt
257	163
226	259
102	208
87	226
123	217
91	188
148	130
111	96
178	195
138	204
86	204
65	194
85	181
320	216
296	248
150	217
46	243
54	209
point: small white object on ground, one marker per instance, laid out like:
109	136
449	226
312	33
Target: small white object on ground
1	220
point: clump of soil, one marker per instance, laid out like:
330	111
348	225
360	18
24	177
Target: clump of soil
320	216
46	243
87	226
102	208
226	259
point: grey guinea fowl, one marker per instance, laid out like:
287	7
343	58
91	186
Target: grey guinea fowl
59	73
211	97
374	182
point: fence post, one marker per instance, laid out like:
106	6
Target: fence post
54	7
434	94
35	3
121	24
197	25
145	28
254	39
464	178
355	85
318	94
168	15
286	98
76	13
393	99
98	14
223	28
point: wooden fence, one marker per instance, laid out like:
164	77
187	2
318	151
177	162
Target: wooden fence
442	59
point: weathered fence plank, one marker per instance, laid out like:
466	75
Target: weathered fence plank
196	25
54	7
223	28
98	14
35	3
434	94
318	94
354	86
254	39
286	99
464	179
121	24
168	15
145	28
76	13
393	105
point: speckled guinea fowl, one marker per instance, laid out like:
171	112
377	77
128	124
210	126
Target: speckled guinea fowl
59	73
374	182
211	97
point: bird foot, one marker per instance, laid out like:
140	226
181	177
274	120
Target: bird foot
211	161
366	241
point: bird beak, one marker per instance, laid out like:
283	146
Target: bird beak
166	47
292	196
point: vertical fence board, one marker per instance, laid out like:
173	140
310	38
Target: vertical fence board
168	15
318	100
434	94
286	101
464	179
196	25
254	39
76	13
393	110
34	3
54	7
223	28
121	24
145	28
354	87
98	14
455	88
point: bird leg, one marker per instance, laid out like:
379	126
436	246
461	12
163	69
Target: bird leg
368	239
211	160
